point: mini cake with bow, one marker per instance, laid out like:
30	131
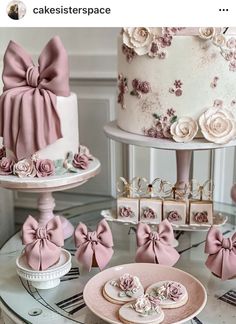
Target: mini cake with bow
42	243
94	248
221	260
39	115
156	246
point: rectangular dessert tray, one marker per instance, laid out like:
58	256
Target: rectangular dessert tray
218	220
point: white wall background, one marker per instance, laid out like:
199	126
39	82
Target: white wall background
92	55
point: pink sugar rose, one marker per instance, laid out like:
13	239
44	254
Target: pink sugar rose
148	213
2	152
151	132
173	216
178	92
201	217
84	150
166	131
6	166
136	84
144	87
25	168
174	291
129	283
126	212
44	168
80	161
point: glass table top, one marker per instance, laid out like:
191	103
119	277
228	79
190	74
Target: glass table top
64	304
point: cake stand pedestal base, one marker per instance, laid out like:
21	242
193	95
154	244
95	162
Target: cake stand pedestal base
183	163
46	186
46	205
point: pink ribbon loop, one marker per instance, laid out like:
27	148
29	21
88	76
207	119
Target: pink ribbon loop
155	247
96	244
30	97
43	243
222	254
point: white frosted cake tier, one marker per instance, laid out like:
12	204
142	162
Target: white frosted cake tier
68	113
193	75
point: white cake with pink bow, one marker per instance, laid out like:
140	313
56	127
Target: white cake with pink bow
178	83
39	115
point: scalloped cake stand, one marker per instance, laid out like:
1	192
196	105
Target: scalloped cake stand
46	186
183	150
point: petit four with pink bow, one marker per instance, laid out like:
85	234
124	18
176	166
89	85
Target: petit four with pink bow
156	246
42	243
221	260
94	248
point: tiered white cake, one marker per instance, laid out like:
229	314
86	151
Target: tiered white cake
178	83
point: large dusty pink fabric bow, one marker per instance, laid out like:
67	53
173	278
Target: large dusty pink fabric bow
28	116
222	254
43	244
97	244
155	247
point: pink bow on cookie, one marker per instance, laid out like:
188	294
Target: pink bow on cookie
29	98
43	243
97	244
155	247
222	254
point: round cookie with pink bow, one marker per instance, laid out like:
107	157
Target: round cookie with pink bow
171	294
123	290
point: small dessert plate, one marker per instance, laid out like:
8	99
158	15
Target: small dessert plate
46	279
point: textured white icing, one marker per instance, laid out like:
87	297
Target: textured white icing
67	108
194	61
128	315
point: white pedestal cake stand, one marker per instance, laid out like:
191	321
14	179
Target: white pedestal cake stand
183	154
46	186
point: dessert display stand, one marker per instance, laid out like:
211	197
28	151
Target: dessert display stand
183	162
45	188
